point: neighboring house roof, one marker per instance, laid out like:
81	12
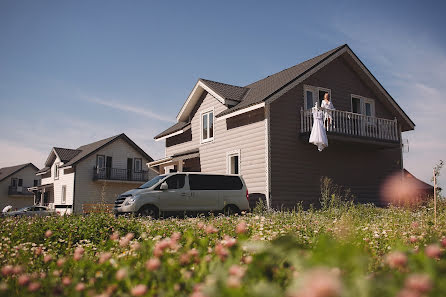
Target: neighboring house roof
259	91
74	156
175	128
43	170
6	172
418	183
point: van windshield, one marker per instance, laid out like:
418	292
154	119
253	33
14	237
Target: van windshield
152	182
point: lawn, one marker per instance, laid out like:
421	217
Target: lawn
343	250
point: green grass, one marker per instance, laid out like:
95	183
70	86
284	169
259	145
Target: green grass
341	250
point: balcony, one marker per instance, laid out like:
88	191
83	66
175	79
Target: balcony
19	191
117	174
354	125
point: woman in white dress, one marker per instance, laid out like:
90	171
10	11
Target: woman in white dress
326	103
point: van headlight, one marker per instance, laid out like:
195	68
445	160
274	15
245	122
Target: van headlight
130	200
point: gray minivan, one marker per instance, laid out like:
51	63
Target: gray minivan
185	192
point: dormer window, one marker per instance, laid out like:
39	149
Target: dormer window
207	126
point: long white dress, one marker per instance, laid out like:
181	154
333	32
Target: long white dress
318	135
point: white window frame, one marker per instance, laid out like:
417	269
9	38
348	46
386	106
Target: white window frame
202	113
229	155
363	100
315	90
134	165
56	171
63	197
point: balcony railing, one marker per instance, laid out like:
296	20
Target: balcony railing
16	190
119	174
353	124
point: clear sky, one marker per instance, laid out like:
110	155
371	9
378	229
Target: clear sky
72	72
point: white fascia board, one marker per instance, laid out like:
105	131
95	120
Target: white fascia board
159	162
241	111
194	96
170	135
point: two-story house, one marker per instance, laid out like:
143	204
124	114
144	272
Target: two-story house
14	183
93	173
261	131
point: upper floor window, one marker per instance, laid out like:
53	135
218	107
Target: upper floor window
36	182
314	94
100	161
362	105
56	171
207	126
14	182
138	165
64	194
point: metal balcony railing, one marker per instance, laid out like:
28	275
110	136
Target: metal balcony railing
353	124
16	190
119	174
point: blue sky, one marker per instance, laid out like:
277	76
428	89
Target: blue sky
75	72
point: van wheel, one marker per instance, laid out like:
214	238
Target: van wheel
230	210
149	211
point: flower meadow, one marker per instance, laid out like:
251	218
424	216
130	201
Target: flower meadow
348	250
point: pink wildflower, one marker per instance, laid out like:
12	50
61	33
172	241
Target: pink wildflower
139	290
228	241
80	287
34	286
433	251
7	270
114	236
48	233
241	228
210	229
47	258
419	282
60	262
121	274
153	264
66	281
396	260
23	279
221	251
104	257
320	282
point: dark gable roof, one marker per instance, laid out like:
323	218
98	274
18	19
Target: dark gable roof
89	149
261	90
226	91
6	172
419	183
177	127
66	154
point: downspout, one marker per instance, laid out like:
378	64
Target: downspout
74	190
268	155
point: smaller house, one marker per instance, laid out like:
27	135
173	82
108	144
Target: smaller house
14	183
424	189
73	179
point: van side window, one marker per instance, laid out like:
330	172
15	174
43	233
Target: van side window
214	182
176	181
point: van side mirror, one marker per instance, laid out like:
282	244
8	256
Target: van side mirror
164	186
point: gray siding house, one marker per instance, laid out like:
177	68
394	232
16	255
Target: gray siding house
261	131
94	173
14	184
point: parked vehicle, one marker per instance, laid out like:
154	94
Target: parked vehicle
185	192
40	211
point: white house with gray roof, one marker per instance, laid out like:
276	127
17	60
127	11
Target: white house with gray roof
90	174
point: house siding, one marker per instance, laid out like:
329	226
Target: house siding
28	174
89	191
297	166
246	135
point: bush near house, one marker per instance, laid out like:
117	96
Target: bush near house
344	250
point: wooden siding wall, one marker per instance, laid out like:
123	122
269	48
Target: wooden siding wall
296	166
248	137
28	174
89	191
343	82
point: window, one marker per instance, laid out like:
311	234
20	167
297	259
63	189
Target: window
56	171
311	94
100	161
175	182
64	194
214	182
362	105
36	182
207	126
20	182
233	166
138	165
14	182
